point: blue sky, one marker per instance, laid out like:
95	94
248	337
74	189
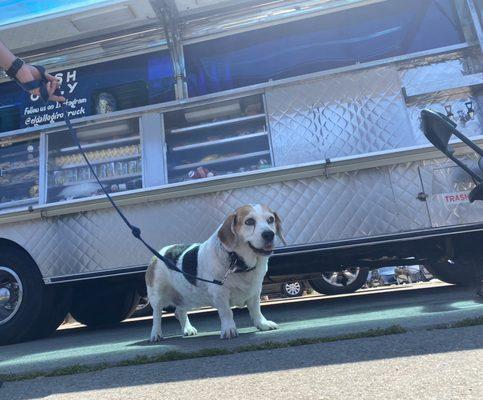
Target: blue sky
12	11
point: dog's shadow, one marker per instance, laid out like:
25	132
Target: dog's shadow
211	337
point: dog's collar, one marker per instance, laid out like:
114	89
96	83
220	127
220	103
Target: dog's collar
238	264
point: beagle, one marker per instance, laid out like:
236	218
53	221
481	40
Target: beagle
243	243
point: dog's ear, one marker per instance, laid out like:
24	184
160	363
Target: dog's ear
278	226
227	233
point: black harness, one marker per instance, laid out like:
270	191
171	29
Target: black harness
238	264
188	261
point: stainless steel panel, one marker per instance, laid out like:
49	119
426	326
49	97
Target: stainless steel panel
344	205
438	102
153	149
418	78
145	41
223	20
475	10
406	183
346	114
434	75
448	187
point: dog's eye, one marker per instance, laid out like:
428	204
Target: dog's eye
271	220
250	221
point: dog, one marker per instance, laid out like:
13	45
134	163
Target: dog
242	243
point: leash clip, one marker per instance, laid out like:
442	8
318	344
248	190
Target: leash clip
229	271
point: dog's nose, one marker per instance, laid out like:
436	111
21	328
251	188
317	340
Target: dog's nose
268	235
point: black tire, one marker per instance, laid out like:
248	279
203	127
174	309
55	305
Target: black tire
23	321
103	304
293	289
59	300
463	272
323	287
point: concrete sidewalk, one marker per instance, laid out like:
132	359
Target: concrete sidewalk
411	308
441	364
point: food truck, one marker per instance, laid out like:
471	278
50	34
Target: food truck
312	107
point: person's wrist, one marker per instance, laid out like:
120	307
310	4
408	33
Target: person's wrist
24	74
7	60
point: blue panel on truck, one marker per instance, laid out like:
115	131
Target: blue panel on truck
362	34
127	83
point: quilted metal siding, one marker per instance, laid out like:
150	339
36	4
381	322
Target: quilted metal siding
443	181
346	114
344	205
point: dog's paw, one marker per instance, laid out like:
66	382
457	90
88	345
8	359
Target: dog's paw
229	332
156	337
267	325
190	331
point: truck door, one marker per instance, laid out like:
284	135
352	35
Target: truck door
447	187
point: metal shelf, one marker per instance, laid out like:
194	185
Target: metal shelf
218	123
21	153
18	203
105	179
12	184
108	160
220	141
220	160
19	169
98	145
464	82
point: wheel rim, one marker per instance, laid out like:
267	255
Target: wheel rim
341	278
293	288
11	294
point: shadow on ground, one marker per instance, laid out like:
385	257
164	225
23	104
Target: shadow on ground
346	352
314	317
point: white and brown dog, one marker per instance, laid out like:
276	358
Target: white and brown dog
245	240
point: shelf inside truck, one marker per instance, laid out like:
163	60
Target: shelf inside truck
219	139
19	171
114	150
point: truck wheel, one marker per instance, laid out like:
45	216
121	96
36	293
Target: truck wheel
55	309
346	281
23	296
103	304
293	289
463	272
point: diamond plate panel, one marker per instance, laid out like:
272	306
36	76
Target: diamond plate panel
346	114
437	102
345	205
406	183
421	77
447	186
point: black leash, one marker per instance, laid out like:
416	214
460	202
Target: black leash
41	84
134	229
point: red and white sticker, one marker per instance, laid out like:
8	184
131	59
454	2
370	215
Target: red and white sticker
455	198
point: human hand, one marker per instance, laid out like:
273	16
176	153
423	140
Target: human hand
29	73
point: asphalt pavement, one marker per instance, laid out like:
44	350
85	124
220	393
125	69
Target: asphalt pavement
438	364
412	307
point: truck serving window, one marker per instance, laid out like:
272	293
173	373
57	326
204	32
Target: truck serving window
114	150
362	34
220	139
19	171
